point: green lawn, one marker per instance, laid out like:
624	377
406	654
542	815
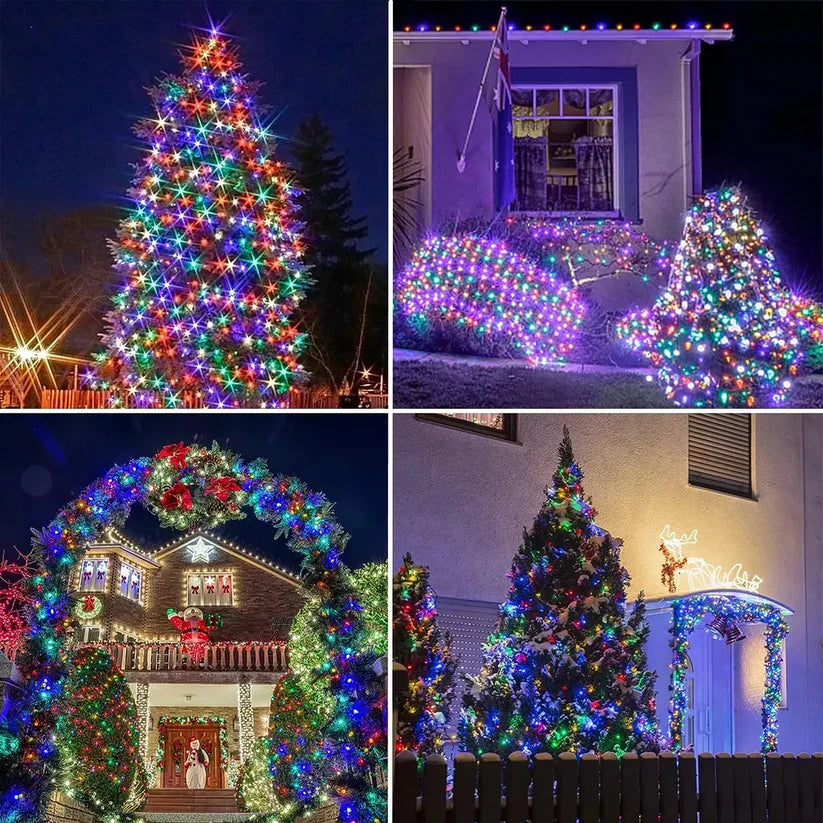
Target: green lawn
435	385
432	385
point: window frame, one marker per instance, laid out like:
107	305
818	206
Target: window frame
96	562
132	569
508	434
614	86
218	594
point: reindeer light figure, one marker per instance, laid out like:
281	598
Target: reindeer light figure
696	572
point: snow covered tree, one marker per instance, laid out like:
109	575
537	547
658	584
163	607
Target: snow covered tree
724	333
565	670
425	651
209	255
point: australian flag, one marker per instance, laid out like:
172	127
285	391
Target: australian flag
504	191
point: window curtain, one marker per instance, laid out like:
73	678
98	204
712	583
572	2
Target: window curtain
595	179
530	173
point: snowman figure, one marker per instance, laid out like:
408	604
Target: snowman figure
197	762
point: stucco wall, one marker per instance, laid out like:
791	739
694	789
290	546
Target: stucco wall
461	502
456	69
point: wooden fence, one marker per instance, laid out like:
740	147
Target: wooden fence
669	788
94	399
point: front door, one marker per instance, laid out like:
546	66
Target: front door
177	749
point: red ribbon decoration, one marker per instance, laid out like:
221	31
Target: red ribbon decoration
177	497
88	603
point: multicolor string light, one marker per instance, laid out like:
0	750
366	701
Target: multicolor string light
591	250
97	736
686	615
725	332
210	254
425	651
303	702
565	670
483	289
356	733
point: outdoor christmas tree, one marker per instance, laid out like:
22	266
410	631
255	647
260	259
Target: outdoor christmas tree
209	254
425	651
565	670
724	332
255	791
302	705
97	736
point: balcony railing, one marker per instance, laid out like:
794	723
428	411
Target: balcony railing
223	657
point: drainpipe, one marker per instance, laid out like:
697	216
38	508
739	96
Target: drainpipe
691	62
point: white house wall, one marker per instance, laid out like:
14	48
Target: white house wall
456	69
461	502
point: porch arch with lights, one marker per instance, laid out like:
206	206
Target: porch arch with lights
191	488
729	608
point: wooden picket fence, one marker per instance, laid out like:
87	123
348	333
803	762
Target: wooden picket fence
95	399
665	788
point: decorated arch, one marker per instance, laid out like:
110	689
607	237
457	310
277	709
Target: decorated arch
188	488
731	608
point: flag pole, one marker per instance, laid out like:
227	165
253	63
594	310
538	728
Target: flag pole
461	160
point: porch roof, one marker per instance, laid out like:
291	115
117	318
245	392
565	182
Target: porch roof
664	603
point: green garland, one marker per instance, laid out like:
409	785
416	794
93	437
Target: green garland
168	719
80	614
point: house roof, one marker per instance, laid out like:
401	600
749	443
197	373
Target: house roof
231	548
584	33
153	556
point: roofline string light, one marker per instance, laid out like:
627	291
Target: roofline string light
692	25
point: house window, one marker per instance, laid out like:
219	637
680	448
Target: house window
565	149
490	424
720	452
93	574
130	580
87	634
209	589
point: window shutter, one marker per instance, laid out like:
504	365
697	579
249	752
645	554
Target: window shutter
470	622
720	452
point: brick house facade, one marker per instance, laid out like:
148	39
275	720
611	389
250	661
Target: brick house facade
124	592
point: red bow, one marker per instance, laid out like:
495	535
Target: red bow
222	487
195	589
88	603
177	497
210	589
176	452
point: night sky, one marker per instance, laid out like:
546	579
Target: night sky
48	459
75	74
761	100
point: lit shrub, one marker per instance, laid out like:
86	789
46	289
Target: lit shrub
490	299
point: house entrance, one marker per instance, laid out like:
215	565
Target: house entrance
178	737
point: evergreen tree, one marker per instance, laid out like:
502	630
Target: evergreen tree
425	651
332	236
725	332
97	736
210	255
565	671
254	791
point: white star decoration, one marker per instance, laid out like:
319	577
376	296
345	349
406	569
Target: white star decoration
200	550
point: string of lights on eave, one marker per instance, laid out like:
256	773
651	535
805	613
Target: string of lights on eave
151	554
581	33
